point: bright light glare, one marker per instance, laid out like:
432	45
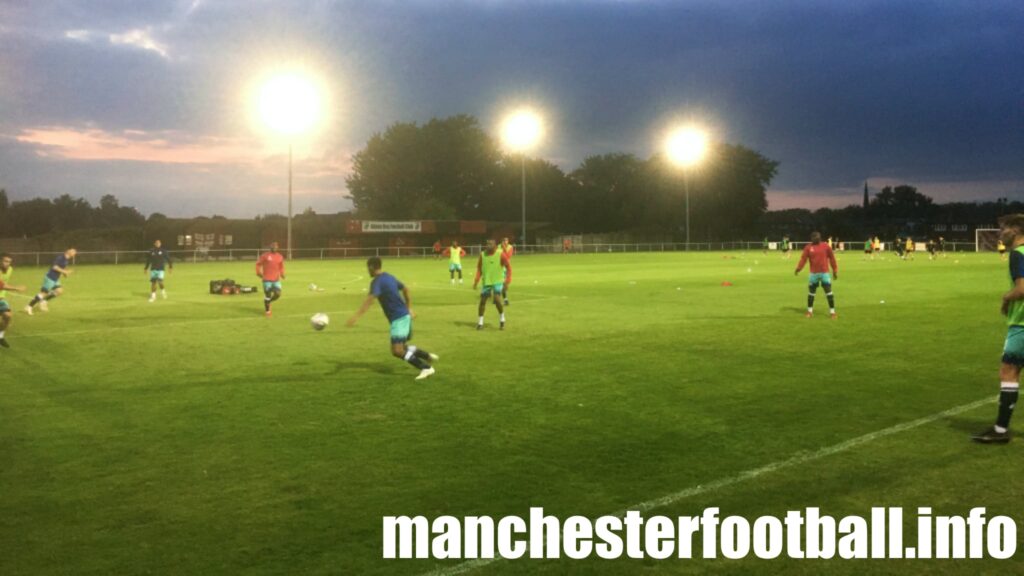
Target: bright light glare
521	131
686	146
289	104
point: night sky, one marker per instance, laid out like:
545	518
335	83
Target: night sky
147	100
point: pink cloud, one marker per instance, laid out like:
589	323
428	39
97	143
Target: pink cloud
165	147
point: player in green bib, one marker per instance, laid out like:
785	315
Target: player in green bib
6	271
495	271
1011	232
455	254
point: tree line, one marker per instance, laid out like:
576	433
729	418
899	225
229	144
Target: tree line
453	169
38	216
894	211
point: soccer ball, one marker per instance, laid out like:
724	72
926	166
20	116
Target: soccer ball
319	321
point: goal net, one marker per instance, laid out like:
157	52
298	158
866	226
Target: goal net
986	239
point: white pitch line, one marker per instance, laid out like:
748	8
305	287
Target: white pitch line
798	459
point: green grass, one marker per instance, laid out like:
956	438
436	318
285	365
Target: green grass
194	436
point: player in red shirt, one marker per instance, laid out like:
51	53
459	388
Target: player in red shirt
820	256
270	268
507	250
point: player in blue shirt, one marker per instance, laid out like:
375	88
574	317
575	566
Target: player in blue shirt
51	282
394	300
157	259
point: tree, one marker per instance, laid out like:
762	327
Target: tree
110	214
31	217
5	228
444	169
71	213
609	189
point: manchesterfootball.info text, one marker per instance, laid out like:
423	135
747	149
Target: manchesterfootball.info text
800	534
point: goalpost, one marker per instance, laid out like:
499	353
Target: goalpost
986	239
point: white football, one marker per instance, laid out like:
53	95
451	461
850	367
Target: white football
319	321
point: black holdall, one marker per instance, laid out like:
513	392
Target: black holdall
227	286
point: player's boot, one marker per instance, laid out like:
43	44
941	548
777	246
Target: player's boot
460	280
44	306
3	343
152	297
479	326
268	314
833	316
425	373
990	436
502	326
809	314
28	310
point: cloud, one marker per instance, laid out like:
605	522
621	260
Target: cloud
836	91
169	147
79	35
140	39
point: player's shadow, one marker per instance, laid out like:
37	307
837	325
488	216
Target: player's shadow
382	367
464	324
968	425
794	309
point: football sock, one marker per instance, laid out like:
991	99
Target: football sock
502	317
480	322
1007	402
50	296
810	299
266	304
410	357
831	299
421	354
36	300
2	334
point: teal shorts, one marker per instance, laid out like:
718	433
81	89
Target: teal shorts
155	275
454	267
4	306
401	329
268	286
1013	349
495	289
49	285
822	277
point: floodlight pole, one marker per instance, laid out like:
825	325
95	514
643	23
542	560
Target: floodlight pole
289	200
686	191
523	158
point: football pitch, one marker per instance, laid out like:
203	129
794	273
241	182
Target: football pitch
195	436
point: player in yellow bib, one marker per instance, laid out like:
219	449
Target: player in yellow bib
494	269
6	270
455	254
